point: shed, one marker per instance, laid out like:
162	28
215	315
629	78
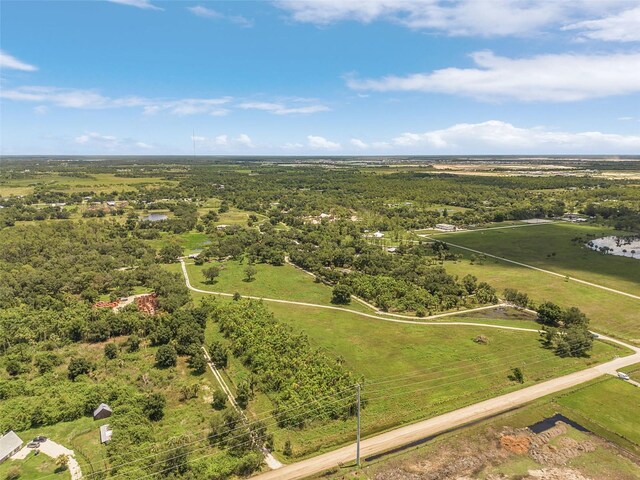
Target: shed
9	445
103	411
105	433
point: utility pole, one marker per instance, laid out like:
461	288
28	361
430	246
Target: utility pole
358	430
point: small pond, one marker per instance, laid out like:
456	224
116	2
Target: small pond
613	245
155	217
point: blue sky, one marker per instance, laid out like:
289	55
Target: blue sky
320	77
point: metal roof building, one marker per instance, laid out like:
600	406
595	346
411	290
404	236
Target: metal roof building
9	445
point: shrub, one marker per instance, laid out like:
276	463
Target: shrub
166	356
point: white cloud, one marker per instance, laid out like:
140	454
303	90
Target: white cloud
189	106
41	109
553	77
221	140
209	13
497	136
242	142
356	142
280	109
94	136
10	62
321	143
463	17
620	27
143	4
90	99
110	142
245	140
204	12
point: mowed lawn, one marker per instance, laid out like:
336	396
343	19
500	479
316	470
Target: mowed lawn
284	283
536	246
610	313
612	404
32	467
426	370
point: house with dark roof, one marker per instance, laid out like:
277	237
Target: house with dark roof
103	411
9	445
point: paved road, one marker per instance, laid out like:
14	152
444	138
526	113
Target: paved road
549	272
368	315
417	431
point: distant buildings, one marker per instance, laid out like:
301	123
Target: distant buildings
9	445
103	411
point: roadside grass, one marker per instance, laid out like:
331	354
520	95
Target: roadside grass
633	371
611	404
449	370
34	466
549	247
604	462
610	313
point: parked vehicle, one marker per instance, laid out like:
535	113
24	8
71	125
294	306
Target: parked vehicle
40	439
33	445
623	376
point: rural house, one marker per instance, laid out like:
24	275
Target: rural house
9	445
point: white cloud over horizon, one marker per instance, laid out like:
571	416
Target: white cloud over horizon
93	99
10	62
550	77
316	142
499	136
110	142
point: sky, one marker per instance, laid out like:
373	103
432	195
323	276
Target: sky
322	77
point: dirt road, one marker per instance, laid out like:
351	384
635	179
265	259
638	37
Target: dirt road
424	320
417	431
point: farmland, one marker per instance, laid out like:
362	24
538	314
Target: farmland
550	247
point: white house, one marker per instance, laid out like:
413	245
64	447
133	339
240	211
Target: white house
378	234
9	445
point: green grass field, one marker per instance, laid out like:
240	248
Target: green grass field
99	183
34	466
535	245
609	312
429	369
611	404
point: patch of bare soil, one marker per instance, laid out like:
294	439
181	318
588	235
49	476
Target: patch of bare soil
470	457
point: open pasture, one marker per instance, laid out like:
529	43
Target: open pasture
97	182
550	247
610	313
414	371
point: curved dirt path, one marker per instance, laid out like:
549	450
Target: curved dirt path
417	431
368	315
